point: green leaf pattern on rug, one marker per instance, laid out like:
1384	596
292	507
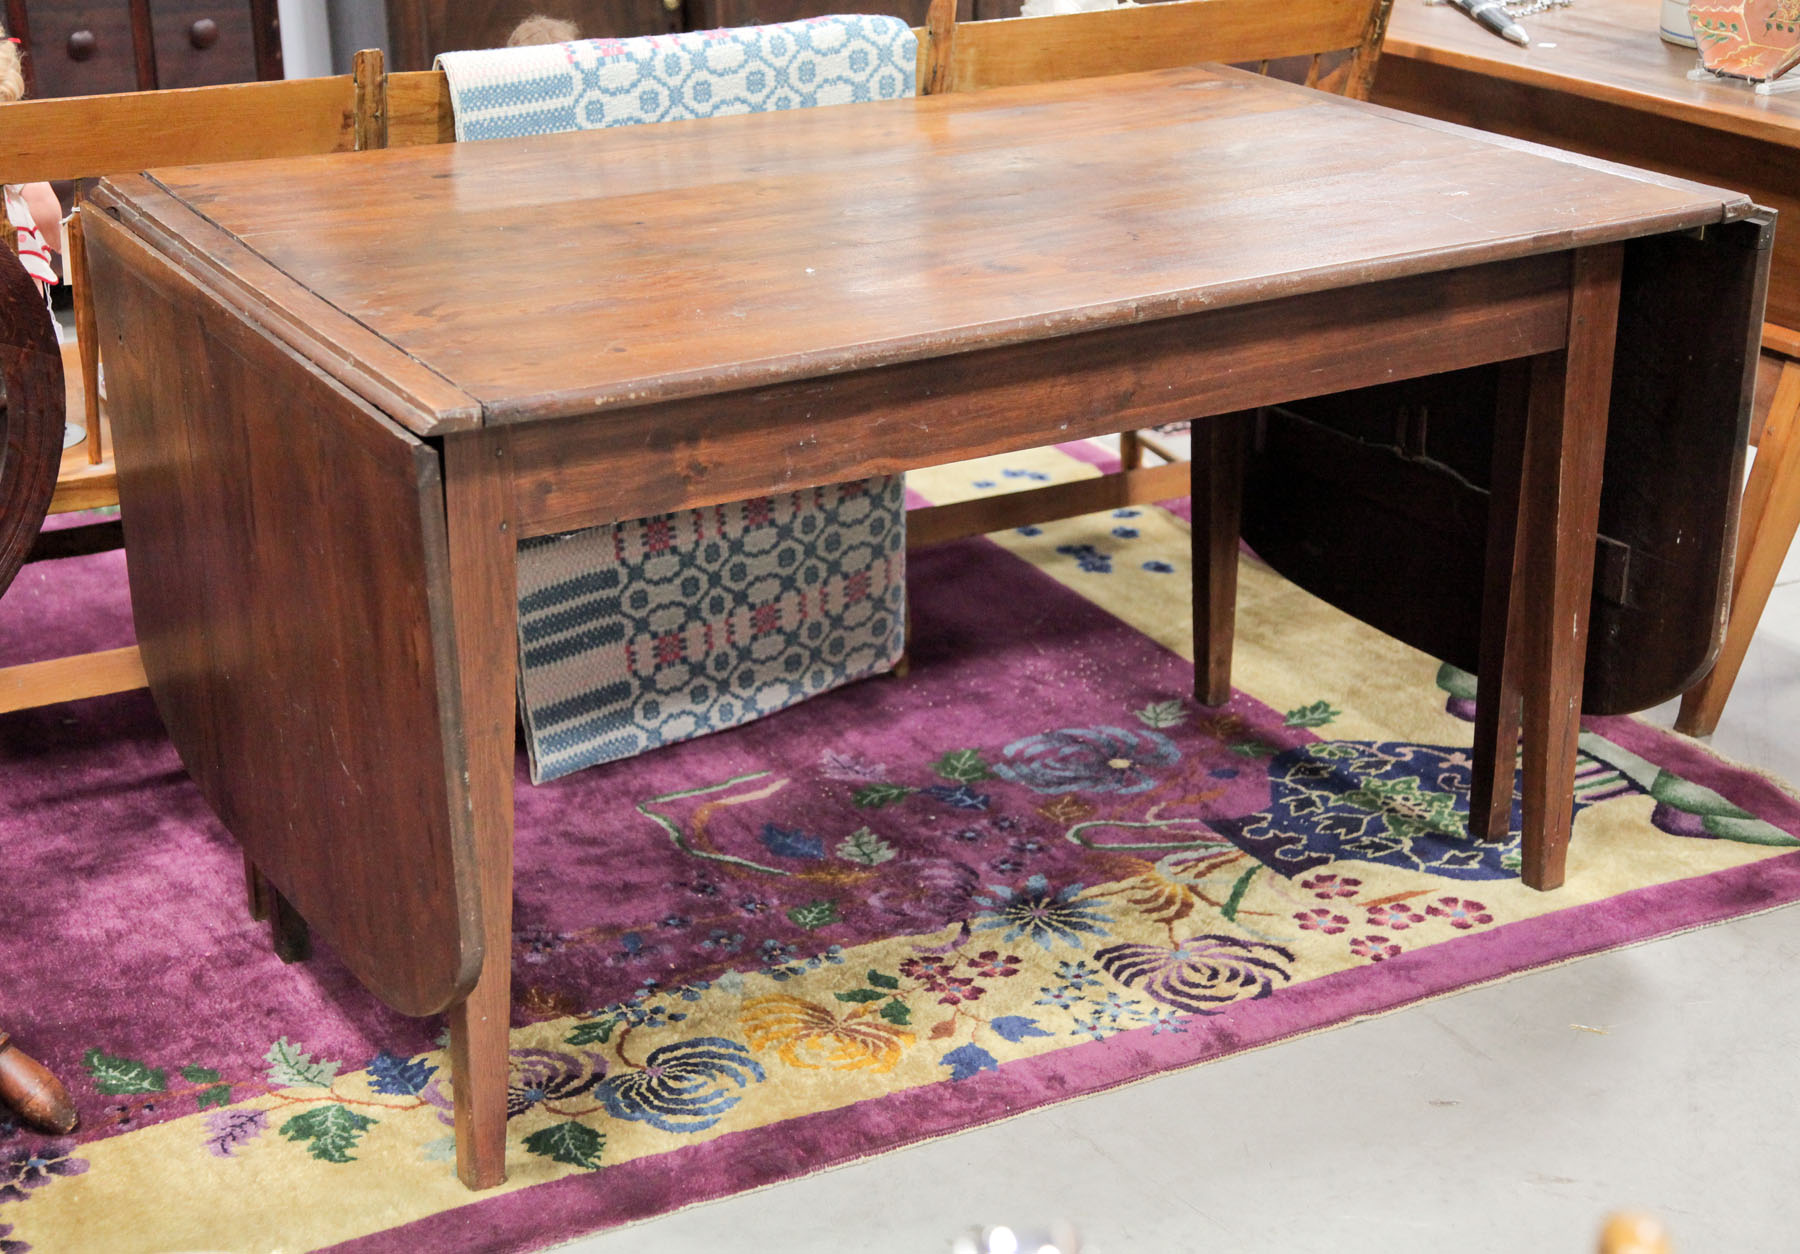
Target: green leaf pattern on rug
117	1075
291	1067
330	1131
1253	749
1162	714
874	796
594	1032
1318	714
865	847
1410	808
568	1142
213	1093
964	766
814	914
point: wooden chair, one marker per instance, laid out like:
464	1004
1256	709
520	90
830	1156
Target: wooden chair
88	136
31	426
1767	521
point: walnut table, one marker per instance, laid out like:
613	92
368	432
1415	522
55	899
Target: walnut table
336	426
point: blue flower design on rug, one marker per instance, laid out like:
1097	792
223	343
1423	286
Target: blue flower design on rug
1387	802
1088	759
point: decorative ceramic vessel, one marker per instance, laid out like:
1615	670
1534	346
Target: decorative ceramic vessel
1674	26
1753	39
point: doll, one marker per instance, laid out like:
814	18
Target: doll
538	29
31	208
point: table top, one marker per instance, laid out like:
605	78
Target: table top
1605	50
516	280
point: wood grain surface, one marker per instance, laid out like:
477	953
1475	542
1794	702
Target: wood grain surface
1081	45
87	136
289	574
31	414
645	264
690	453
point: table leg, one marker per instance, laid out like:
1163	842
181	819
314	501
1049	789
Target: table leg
1565	453
288	932
1766	527
484	596
1497	693
256	889
1217	467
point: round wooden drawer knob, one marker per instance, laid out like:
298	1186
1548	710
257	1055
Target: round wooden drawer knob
204	33
82	45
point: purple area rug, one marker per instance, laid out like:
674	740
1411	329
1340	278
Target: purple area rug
1031	870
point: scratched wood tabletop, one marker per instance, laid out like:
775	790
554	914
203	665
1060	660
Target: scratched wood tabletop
643	264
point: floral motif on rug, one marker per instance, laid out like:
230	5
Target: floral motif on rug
1029	871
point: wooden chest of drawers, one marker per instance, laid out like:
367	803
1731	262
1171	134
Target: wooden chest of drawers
85	47
420	29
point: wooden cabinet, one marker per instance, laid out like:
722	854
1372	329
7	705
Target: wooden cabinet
420	29
711	14
86	47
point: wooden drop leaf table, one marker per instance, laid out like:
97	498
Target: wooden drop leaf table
346	387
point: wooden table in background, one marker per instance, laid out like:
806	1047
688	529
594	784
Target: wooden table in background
1597	79
330	442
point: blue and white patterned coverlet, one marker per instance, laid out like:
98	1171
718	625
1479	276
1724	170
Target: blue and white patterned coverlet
593	83
660	630
650	632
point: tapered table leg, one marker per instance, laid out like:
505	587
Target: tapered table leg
1497	694
288	931
1217	467
256	890
484	591
1565	449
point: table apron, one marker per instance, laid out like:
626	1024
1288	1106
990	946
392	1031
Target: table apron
652	459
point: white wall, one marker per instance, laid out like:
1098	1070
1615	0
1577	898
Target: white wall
319	36
305	38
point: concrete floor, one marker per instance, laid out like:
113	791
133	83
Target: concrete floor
1511	1118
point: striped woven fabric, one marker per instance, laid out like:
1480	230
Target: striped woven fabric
663	629
650	632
